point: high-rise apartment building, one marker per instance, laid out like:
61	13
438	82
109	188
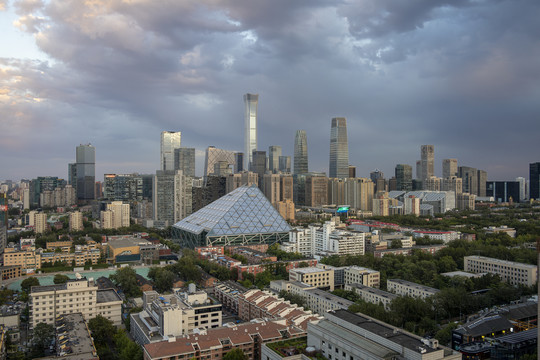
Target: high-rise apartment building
449	168
404	177
300	152
248	178
170	140
271	188
75	221
274	153
285	164
427	153
316	190
3	221
452	183
534	180
339	149
482	180
184	159
40	223
86	172
215	155
251	103
172	200
286	187
117	215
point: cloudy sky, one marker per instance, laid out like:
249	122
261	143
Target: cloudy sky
462	75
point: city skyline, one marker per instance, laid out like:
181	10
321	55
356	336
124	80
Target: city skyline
403	75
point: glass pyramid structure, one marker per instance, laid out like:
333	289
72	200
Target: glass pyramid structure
241	217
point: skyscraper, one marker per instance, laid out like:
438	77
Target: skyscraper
215	155
184	159
170	140
339	149
172	199
300	152
404	177
285	164
534	180
274	152
3	221
449	168
251	102
427	153
86	172
259	166
239	162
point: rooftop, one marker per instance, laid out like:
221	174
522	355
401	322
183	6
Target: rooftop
501	262
414	285
73	338
108	295
383	330
127	242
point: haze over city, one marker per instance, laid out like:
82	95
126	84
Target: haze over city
462	75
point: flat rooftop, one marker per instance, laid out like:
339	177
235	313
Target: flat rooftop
501	262
414	285
127	242
108	295
309	270
383	330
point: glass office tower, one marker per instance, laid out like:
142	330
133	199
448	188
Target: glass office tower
86	172
300	152
251	102
170	140
339	149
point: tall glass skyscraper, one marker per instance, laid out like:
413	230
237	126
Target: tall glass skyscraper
404	177
339	149
300	152
170	140
86	172
274	152
427	153
534	180
184	159
251	102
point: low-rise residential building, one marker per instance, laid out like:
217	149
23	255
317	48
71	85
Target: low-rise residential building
321	278
167	316
24	259
227	293
345	335
408	288
259	268
372	295
263	304
445	236
362	275
513	273
216	343
76	295
252	256
501	229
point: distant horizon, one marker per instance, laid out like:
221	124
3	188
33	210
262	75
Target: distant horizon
462	76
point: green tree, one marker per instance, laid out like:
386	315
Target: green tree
5	295
396	244
164	281
127	348
235	354
102	329
26	284
60	279
42	337
126	279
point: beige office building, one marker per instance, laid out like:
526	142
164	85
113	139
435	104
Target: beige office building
40	223
362	275
408	288
321	278
76	296
513	273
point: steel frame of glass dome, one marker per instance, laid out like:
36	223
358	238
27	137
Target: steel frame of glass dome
188	239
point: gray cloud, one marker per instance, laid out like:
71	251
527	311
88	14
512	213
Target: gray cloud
462	75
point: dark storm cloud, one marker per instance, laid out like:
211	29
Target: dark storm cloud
451	73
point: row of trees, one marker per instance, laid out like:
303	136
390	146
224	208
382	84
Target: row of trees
112	343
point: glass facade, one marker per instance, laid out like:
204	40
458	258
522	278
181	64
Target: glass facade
184	159
251	102
243	216
427	153
86	172
339	149
404	177
274	153
300	152
170	140
214	156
